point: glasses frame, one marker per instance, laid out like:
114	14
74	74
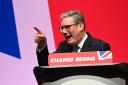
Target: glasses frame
67	27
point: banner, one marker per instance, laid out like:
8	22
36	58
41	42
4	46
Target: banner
81	58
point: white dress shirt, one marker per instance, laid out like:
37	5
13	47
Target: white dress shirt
81	43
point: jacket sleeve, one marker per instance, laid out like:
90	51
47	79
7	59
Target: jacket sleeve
42	56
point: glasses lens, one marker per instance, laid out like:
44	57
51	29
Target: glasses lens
66	27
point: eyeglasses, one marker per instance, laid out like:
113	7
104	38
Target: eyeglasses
66	27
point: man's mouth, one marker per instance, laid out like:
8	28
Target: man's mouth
67	37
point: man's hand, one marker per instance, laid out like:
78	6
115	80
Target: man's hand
40	38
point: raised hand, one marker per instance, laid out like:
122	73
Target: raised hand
40	38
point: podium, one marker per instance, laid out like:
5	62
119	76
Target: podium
98	74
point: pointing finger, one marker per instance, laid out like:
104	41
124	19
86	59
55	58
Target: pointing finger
39	31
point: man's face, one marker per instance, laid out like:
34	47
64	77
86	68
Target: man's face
72	31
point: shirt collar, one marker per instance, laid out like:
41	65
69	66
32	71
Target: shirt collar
81	43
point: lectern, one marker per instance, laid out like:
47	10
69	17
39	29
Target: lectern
96	74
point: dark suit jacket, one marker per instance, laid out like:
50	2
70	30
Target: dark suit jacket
91	44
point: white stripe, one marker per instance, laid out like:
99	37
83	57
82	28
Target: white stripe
28	13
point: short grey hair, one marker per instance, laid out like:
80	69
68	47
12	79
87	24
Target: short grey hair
78	16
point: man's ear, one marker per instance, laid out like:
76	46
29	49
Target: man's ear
81	24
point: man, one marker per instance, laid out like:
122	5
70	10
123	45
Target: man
77	39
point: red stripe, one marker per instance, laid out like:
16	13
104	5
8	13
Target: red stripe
106	54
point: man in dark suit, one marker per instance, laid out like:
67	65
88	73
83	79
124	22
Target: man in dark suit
76	38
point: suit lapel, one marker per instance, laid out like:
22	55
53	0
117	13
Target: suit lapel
66	48
87	44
